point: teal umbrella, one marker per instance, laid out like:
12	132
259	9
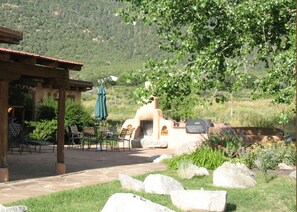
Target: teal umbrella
100	108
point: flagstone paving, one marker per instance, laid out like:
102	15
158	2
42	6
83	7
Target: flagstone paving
34	174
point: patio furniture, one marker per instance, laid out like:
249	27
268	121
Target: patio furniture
18	137
123	138
90	136
41	143
74	136
108	138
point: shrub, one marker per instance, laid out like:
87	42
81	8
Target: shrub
43	130
48	109
76	114
228	142
202	157
269	155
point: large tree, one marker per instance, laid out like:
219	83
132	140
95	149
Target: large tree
212	42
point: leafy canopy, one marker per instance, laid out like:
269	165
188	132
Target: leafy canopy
213	41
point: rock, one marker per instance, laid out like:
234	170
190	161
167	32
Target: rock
245	169
199	200
161	158
188	171
127	202
284	166
130	183
161	184
150	142
292	175
233	176
187	148
18	208
201	171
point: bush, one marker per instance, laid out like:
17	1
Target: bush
43	130
269	155
228	142
48	109
203	157
76	114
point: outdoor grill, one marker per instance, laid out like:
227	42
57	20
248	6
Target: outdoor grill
198	126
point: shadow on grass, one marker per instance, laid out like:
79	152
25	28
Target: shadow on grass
231	207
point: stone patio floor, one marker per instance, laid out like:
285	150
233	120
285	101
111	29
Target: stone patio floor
34	174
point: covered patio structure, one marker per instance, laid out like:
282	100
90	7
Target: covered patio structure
14	65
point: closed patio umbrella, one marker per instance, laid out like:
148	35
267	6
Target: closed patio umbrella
100	107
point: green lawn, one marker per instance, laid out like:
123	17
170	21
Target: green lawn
279	194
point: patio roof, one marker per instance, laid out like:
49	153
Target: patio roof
13	65
80	84
10	36
35	59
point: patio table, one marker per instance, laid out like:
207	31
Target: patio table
109	136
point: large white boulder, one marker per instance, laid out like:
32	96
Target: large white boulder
161	184
18	208
130	183
161	158
199	200
187	147
127	202
233	176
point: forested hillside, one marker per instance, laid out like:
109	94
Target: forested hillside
84	31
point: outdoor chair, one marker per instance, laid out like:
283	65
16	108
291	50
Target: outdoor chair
124	139
18	137
74	136
43	144
90	136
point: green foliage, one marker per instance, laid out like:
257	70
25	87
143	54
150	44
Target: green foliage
280	81
212	41
76	114
18	88
43	130
202	157
268	156
48	109
228	142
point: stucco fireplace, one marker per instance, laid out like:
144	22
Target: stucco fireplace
150	128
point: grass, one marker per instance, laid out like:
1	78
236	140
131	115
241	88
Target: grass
277	195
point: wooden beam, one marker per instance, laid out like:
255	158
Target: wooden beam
7	67
3	130
29	60
5	56
50	63
60	83
60	165
8	75
10	36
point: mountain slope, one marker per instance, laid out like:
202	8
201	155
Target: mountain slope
84	31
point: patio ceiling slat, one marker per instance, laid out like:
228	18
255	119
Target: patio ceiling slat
8	67
10	36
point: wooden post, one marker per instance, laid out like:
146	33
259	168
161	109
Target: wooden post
4	175
60	165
